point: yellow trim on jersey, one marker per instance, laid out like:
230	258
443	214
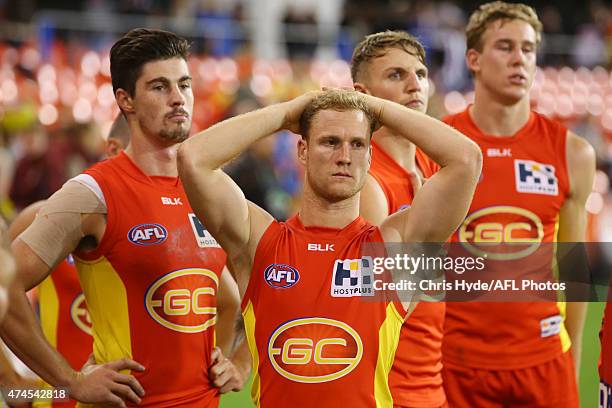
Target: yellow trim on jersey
108	307
388	338
49	310
566	341
249	327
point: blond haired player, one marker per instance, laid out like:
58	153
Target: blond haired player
315	340
535	181
391	65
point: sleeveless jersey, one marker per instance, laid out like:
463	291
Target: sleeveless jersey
605	365
416	375
316	336
523	185
64	318
151	284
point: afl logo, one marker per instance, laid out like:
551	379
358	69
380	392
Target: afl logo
314	350
502	233
184	300
80	314
147	234
281	276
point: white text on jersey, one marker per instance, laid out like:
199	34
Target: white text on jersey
171	201
321	247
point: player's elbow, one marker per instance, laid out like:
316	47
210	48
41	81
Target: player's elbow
470	160
187	161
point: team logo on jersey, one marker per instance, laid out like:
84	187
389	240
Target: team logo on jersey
202	236
281	276
147	234
314	350
184	300
535	178
80	314
352	277
487	231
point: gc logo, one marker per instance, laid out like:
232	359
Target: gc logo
487	231
314	350
184	300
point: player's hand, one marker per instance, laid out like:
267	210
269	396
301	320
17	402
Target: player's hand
103	383
224	374
294	109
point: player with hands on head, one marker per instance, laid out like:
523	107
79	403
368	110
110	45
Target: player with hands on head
288	288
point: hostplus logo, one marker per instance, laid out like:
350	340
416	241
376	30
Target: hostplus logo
352	277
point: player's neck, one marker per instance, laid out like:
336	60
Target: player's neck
153	159
400	149
317	211
497	119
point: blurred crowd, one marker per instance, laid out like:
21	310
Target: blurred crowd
57	104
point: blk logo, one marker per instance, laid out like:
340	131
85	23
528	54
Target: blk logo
321	247
171	201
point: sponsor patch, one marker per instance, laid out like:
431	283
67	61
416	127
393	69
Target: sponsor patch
281	276
147	234
535	178
550	326
202	236
352	277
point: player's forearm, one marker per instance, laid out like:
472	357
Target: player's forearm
574	323
442	143
242	357
22	333
221	143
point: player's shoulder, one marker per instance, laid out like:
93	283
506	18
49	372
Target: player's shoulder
552	126
454	118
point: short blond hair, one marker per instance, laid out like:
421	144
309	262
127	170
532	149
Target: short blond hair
338	100
376	45
499	10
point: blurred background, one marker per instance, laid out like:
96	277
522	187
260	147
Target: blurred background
57	103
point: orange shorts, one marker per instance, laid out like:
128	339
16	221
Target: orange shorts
551	384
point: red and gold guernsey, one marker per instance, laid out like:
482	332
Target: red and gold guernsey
416	375
523	185
316	336
151	284
64	318
605	364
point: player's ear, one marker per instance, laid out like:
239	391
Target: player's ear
124	100
113	147
360	87
472	60
302	150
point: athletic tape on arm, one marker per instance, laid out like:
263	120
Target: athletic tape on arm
57	227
